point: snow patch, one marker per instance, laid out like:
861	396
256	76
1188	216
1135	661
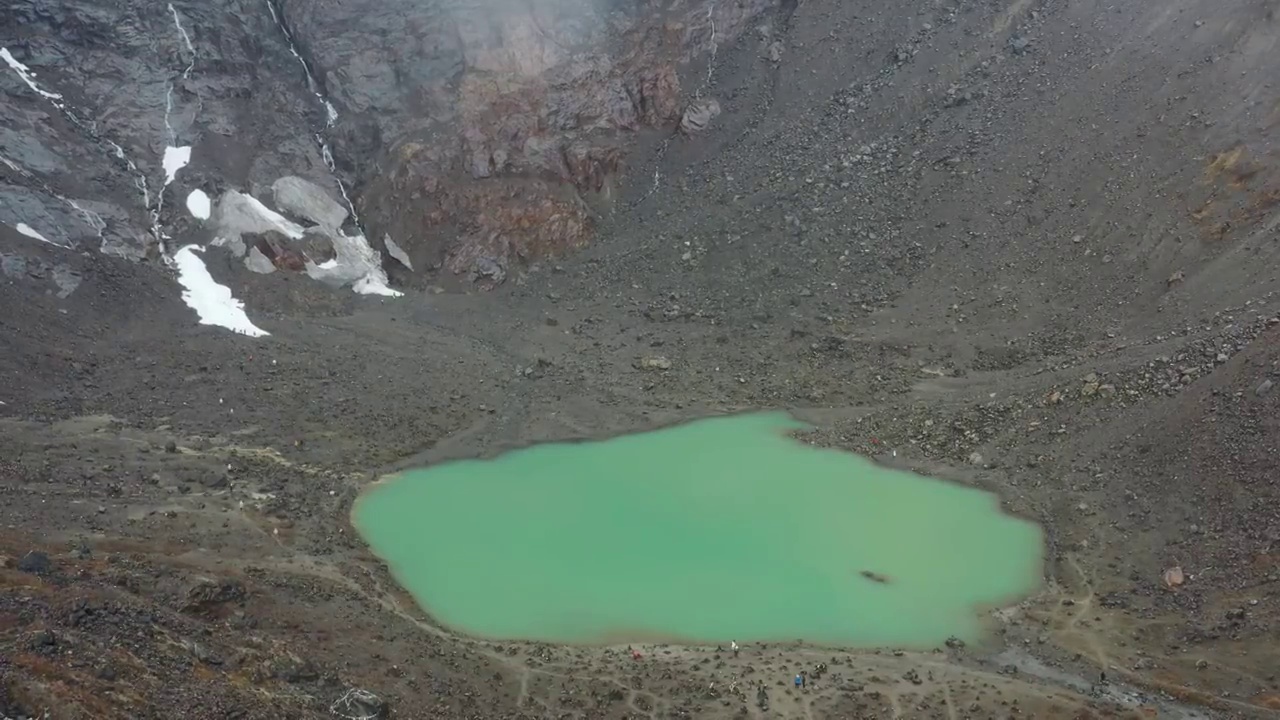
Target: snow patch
211	301
198	204
25	73
175	158
30	232
286	226
356	263
369	285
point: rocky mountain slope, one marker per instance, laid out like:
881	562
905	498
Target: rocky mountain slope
398	110
1026	244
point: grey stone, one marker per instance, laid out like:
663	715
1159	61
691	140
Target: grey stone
63	277
397	252
699	115
309	201
1264	388
238	214
28	152
40	212
259	263
318	246
66	279
656	362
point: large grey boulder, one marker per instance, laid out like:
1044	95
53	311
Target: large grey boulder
308	200
240	214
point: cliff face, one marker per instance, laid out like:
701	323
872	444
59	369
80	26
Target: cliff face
476	135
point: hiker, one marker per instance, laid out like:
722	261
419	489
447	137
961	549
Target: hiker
733	645
799	681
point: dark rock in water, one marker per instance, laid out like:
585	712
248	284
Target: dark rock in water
875	577
35	562
171	447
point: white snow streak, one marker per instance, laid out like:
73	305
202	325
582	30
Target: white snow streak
186	39
286	226
175	158
25	73
198	204
211	301
168	112
94	220
331	113
30	232
55	99
139	180
91	218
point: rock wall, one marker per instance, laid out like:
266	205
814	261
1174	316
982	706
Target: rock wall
497	120
472	132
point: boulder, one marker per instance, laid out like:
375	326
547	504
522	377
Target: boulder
307	200
239	214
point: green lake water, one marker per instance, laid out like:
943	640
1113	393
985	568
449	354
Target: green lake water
717	530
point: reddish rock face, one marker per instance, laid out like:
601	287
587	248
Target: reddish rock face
483	229
276	248
534	130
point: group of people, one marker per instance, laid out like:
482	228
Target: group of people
762	697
